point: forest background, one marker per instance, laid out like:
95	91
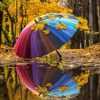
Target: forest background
16	14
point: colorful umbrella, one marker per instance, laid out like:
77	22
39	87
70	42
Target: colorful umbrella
43	79
45	34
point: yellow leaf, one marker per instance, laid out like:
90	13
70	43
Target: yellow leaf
61	26
46	32
51	17
39	26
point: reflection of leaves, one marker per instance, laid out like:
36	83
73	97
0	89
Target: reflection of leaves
42	89
63	88
82	78
49	85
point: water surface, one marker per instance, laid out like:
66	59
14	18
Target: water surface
12	86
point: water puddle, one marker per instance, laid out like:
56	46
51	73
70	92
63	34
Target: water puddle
48	81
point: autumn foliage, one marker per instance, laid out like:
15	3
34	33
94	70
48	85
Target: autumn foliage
21	12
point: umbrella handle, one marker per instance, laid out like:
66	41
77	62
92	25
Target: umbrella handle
36	21
60	57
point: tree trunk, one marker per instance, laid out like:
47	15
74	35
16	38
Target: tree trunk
21	25
1	17
87	40
91	20
98	90
91	87
73	42
78	37
98	12
82	39
6	37
12	26
16	18
95	22
3	87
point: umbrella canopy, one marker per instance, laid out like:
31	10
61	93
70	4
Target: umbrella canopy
45	34
42	79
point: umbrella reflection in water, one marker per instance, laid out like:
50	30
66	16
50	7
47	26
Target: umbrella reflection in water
43	79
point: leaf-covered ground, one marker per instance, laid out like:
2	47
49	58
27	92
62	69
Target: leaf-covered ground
70	58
